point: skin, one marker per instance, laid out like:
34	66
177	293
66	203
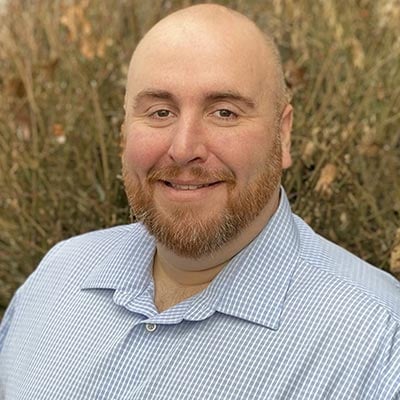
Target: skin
194	100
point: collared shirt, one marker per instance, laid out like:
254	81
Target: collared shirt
292	316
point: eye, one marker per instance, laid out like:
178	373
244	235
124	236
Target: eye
161	114
225	114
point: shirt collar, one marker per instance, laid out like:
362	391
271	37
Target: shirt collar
253	286
128	266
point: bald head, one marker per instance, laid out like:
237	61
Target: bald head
213	29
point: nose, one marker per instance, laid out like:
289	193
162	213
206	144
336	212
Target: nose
188	142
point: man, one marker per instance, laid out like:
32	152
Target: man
220	292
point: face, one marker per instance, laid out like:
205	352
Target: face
202	147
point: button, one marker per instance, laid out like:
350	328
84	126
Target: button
151	327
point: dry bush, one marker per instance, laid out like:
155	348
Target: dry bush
62	76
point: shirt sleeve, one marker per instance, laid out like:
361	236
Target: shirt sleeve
390	382
6	321
12	307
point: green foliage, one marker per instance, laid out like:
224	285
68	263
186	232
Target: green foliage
62	76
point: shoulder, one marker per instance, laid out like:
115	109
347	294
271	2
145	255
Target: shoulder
75	257
96	243
103	237
350	274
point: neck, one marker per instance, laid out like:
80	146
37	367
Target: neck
199	272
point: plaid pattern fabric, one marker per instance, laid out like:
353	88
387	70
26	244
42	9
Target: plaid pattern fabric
292	316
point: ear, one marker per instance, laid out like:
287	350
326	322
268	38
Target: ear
285	131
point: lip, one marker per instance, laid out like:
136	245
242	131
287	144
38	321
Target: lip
186	192
188	185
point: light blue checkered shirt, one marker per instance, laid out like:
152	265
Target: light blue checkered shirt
292	316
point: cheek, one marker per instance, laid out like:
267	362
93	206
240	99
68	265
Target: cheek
246	156
143	151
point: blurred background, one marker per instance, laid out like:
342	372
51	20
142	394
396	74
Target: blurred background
62	74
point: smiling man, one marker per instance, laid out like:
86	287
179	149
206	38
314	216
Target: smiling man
203	156
219	292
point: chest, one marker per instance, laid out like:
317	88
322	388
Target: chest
129	356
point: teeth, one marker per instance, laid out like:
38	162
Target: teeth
187	187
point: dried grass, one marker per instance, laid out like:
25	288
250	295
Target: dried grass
62	75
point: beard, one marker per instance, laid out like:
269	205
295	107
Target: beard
182	228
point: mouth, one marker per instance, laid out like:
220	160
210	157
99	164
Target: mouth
178	186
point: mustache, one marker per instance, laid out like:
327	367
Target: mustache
198	172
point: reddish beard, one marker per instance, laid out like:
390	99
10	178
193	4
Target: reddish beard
182	230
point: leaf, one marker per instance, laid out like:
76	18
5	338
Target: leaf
326	178
358	53
58	132
294	74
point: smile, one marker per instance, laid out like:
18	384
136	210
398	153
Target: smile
188	187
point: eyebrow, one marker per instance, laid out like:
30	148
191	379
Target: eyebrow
209	97
152	94
230	95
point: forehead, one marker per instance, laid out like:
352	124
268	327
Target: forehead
184	60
